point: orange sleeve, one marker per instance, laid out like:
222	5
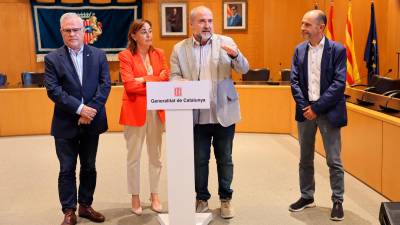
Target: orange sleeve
126	66
165	77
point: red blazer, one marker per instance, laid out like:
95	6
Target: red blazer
134	104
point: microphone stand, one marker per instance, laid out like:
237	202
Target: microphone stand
398	62
198	77
201	45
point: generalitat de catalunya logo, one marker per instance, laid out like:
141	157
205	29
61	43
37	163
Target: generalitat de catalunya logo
177	91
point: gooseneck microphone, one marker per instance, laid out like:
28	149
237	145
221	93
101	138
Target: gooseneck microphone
199	38
388	72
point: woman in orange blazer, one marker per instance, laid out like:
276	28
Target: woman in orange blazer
140	63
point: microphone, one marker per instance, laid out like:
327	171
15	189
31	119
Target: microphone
199	37
388	72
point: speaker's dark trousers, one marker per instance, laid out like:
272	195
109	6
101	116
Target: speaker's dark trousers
221	138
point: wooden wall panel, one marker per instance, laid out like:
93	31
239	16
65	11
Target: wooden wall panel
282	20
293	124
361	150
265	102
113	108
390	162
27	111
392	38
16	43
273	32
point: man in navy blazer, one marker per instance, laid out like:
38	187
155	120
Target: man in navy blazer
318	81
77	80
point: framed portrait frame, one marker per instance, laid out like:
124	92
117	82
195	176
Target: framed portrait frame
234	15
173	18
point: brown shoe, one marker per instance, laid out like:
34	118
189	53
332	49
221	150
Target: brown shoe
89	213
69	218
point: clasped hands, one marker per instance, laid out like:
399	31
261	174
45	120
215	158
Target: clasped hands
87	115
308	113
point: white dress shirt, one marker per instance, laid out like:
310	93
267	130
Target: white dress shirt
77	60
314	70
202	55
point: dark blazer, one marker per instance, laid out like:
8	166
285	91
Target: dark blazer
333	82
235	20
64	89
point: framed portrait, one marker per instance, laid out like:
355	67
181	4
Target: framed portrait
173	18
235	15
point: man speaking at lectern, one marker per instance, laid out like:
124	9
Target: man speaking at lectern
208	56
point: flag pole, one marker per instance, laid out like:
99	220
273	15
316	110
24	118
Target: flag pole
398	63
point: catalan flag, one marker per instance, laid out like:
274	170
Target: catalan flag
371	56
352	76
329	31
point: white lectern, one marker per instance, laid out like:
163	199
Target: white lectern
178	98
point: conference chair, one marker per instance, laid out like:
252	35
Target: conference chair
32	79
371	83
285	74
256	75
3	80
380	85
391	89
386	86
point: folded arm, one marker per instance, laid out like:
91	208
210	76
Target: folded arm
131	85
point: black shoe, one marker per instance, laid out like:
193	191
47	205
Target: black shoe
337	212
301	204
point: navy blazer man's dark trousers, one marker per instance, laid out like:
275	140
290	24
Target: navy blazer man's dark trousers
83	145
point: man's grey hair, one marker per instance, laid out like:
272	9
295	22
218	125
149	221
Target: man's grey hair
68	16
195	11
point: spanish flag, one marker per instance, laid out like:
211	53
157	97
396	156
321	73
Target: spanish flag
352	76
329	31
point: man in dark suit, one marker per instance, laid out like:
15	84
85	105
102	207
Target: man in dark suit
235	19
318	82
77	80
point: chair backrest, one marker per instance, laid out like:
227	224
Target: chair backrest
385	84
32	79
285	74
3	79
256	75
